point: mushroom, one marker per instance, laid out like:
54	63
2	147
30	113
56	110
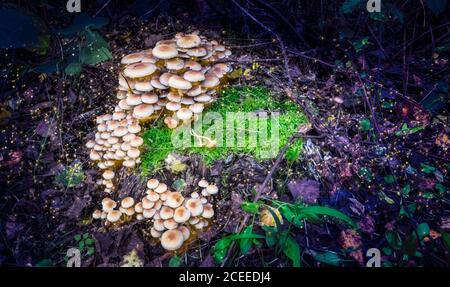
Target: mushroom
170	224
166	212
208	211
174	199
212	189
152	183
172	240
114	216
185	231
165	51
194	206
181	214
139	70
127	202
162	187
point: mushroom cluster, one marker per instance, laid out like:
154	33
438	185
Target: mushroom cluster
173	215
178	77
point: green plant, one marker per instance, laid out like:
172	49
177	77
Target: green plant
85	243
233	99
71	176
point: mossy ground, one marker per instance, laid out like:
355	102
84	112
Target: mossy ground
158	139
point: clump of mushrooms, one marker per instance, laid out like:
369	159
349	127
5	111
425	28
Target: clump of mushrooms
174	215
177	79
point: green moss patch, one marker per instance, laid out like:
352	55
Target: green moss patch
281	119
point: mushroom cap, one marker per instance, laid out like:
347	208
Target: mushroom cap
139	207
171	122
166	212
187	101
133	153
188	41
152	183
97	214
195	91
203	98
149	213
195	206
162	187
108	204
173	97
132	58
197	52
178	82
174	199
133	129
149	98
163	196
158	225
203	183
185	231
154	233
131	100
164	78
194	76
212	189
211	82
152	196
137	142
195	195
147	203
173	106
129	163
157	84
139	70
127	202
108	174
192	65
170	224
175	64
208	211
114	216
200	224
184	114
194	220
143	111
143	86
197	108
165	51
181	214
172	240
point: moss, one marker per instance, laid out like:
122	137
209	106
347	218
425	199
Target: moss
158	139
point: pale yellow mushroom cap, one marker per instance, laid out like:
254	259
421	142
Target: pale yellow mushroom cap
174	64
203	183
172	240
97	214
147	203
184	114
208	211
132	58
152	183
114	216
149	98
195	206
172	106
185	231
188	41
212	189
194	76
154	233
149	213
170	224
181	214
108	174
211	82
174	199
162	187
139	70
165	51
178	82
143	111
166	212
127	202
159	225
139	207
197	108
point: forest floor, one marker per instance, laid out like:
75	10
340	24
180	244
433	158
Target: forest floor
384	165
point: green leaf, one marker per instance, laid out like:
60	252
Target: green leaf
245	244
328	257
77	237
86	236
95	49
350	5
175	261
365	124
394	240
446	239
360	44
405	130
250	207
90	251
423	230
81	246
73	69
437	6
406	189
389	179
441	188
287	212
221	249
427	168
44	263
89	241
322	210
292	250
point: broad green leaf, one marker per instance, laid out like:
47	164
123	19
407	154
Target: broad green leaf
389	179
95	49
446	239
423	230
73	69
292	250
322	210
221	249
328	257
245	244
175	261
77	237
394	239
365	124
